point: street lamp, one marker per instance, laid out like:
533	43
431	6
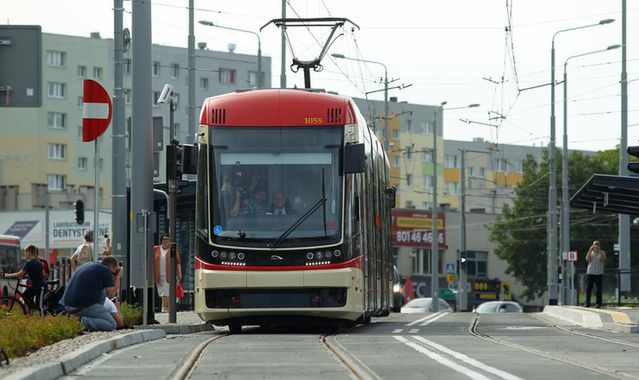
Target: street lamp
259	47
434	242
385	130
552	281
565	217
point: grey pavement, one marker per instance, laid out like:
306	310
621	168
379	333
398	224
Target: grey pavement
618	319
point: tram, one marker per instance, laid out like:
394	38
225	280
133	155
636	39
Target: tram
293	210
10	258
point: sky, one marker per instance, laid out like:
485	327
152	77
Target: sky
492	52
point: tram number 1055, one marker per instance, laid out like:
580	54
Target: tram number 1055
403	236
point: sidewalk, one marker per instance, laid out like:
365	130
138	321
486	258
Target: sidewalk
624	320
187	322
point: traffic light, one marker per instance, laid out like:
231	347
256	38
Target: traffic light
634	152
174	156
79	211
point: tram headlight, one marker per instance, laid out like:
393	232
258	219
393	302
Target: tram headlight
215	254
310	256
240	256
223	255
337	253
328	254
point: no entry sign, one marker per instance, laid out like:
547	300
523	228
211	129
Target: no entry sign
96	110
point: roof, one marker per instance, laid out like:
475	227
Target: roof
609	193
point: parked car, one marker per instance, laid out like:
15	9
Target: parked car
398	290
424	305
498	307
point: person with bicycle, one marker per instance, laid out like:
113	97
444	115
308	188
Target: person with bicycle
32	269
84	296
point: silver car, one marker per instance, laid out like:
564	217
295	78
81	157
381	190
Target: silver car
498	307
424	305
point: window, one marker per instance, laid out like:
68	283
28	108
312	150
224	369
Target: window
176	100
428	128
252	79
451	161
482	172
156	69
127	95
175	71
227	76
519	166
409	152
204	83
81	72
451	188
56	181
409	204
82	163
428	181
97	73
396	134
471	171
57	151
156	95
427	155
476	263
56	120
56	89
80	133
427	205
56	58
396	161
409	179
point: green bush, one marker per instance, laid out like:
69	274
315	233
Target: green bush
21	334
131	314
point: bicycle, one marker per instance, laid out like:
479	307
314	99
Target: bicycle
19	304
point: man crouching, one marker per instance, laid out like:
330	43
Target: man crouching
86	291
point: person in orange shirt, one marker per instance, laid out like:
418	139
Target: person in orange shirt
163	268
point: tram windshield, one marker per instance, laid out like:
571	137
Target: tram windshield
9	253
275	186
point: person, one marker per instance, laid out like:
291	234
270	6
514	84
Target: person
32	269
87	291
280	205
107	246
596	259
255	205
84	253
113	307
163	269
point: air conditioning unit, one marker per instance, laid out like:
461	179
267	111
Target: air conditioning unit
38	194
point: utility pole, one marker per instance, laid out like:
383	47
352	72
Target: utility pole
434	259
283	68
462	298
624	220
191	130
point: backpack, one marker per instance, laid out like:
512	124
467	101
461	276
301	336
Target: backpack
45	268
85	255
51	301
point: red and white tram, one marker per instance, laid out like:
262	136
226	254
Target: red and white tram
293	211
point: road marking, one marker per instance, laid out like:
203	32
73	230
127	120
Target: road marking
423	319
413	331
525	327
398	331
458	355
433	319
442	360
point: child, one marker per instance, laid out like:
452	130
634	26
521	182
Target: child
32	269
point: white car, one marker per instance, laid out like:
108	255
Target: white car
498	307
424	305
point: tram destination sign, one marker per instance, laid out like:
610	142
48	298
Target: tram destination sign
413	228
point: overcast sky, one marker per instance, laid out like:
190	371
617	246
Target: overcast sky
461	52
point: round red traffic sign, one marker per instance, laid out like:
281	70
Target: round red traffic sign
96	110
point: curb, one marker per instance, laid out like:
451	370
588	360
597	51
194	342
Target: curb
589	319
179	329
73	360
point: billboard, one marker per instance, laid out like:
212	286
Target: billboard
20	66
413	228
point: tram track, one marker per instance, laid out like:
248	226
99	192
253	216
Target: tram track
472	330
357	369
189	364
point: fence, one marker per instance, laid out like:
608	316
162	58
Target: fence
611	284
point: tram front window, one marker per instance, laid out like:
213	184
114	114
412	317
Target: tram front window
268	179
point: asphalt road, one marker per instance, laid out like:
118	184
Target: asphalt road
407	346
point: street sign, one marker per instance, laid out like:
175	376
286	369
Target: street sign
450	267
96	110
450	278
572	256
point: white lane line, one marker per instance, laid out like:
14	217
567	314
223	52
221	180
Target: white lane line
442	360
422	319
398	331
413	331
433	319
458	355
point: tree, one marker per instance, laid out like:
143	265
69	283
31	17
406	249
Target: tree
520	232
